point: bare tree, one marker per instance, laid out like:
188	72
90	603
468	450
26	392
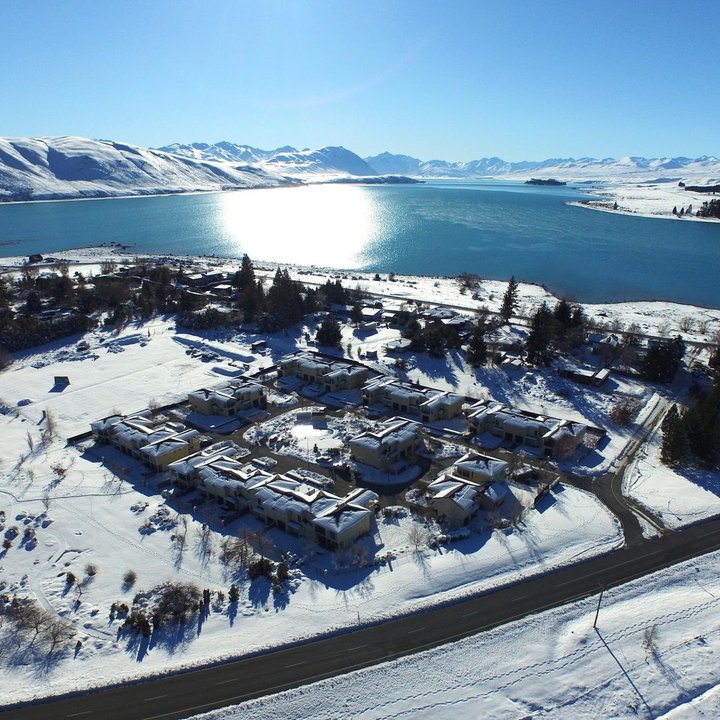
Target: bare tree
59	632
204	542
418	535
237	552
261	543
50	430
62	267
686	324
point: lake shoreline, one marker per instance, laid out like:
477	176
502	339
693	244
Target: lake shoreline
117	253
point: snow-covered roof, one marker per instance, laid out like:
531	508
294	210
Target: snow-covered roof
190	464
464	493
440	399
522	423
395	431
163	446
341	518
483	465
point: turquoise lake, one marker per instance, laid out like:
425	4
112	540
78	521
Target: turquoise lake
493	229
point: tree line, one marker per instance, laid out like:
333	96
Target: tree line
693	435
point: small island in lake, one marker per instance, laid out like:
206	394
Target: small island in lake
549	181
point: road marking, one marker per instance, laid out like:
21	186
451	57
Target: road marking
84	712
225	682
412	632
302	662
474	612
519	598
157	697
358	647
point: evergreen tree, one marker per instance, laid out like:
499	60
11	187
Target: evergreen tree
244	278
569	323
510	300
335	293
702	424
714	362
539	340
329	333
476	353
5	294
33	304
356	314
675	444
662	361
434	339
562	314
284	301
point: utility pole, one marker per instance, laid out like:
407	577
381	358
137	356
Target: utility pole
597	612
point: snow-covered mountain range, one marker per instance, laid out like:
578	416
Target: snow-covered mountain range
702	169
327	161
331	161
74	167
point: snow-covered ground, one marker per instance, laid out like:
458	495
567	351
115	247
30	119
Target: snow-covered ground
82	514
677	497
648	200
653	655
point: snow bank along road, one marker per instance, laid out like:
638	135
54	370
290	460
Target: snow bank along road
181	695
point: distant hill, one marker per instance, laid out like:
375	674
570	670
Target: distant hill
74	167
627	168
224	151
327	161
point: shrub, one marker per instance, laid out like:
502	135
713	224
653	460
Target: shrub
176	601
625	411
262	567
282	574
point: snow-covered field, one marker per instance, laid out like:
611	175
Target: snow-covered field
648	200
83	515
676	497
652	656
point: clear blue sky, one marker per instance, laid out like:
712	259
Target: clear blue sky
436	79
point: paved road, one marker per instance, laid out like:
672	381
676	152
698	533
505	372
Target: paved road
180	696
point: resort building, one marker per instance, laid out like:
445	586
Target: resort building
153	439
229	399
391	446
552	437
332	375
160	453
185	473
290	502
430	405
475	482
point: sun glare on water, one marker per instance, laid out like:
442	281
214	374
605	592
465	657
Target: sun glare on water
326	225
